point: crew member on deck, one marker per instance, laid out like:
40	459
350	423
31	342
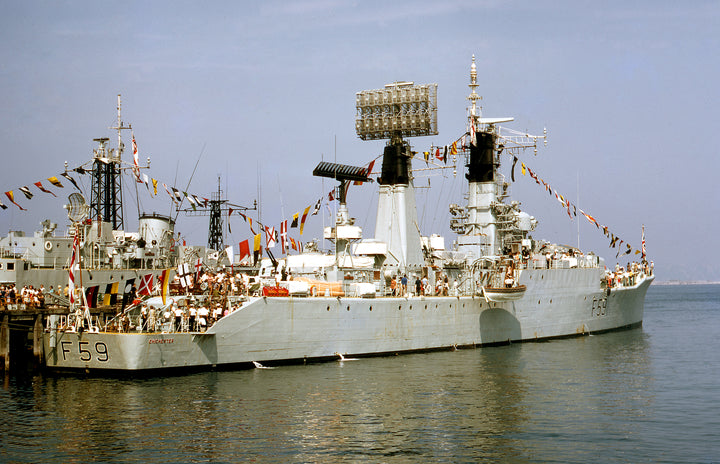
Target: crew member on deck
509	276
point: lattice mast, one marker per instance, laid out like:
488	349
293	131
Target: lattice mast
215	231
106	203
217	207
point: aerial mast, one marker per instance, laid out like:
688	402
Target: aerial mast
484	228
475	112
216	207
215	231
106	195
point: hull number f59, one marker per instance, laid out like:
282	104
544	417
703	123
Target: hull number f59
86	351
599	306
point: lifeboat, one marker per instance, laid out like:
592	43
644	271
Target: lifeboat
500	294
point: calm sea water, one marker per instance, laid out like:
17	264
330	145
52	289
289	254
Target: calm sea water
646	395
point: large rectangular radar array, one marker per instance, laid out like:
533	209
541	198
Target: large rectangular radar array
401	108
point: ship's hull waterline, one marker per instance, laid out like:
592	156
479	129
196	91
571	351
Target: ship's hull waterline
557	303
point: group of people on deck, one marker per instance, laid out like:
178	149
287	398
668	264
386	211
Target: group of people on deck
627	276
400	286
184	315
213	283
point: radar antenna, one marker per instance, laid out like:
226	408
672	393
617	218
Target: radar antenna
78	211
398	111
77	208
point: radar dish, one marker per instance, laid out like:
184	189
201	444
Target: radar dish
77	207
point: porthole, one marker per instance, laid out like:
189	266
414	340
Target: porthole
399	307
348	307
328	308
370	308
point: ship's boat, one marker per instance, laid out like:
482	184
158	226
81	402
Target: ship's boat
502	294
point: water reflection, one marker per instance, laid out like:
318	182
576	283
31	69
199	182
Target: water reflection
519	402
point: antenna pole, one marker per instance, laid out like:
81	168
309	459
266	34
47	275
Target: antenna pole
215	234
475	112
106	201
259	192
578	202
117	161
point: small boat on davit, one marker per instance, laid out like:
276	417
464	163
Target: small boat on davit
500	294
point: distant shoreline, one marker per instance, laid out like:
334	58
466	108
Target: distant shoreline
688	282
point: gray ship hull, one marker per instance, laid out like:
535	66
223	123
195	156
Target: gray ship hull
557	303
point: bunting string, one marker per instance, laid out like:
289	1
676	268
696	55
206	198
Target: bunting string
287	242
451	149
299	218
572	211
29	195
178	196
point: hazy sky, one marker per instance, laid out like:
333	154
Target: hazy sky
260	92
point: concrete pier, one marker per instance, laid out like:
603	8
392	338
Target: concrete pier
21	333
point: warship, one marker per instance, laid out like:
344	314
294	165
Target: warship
111	256
398	292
